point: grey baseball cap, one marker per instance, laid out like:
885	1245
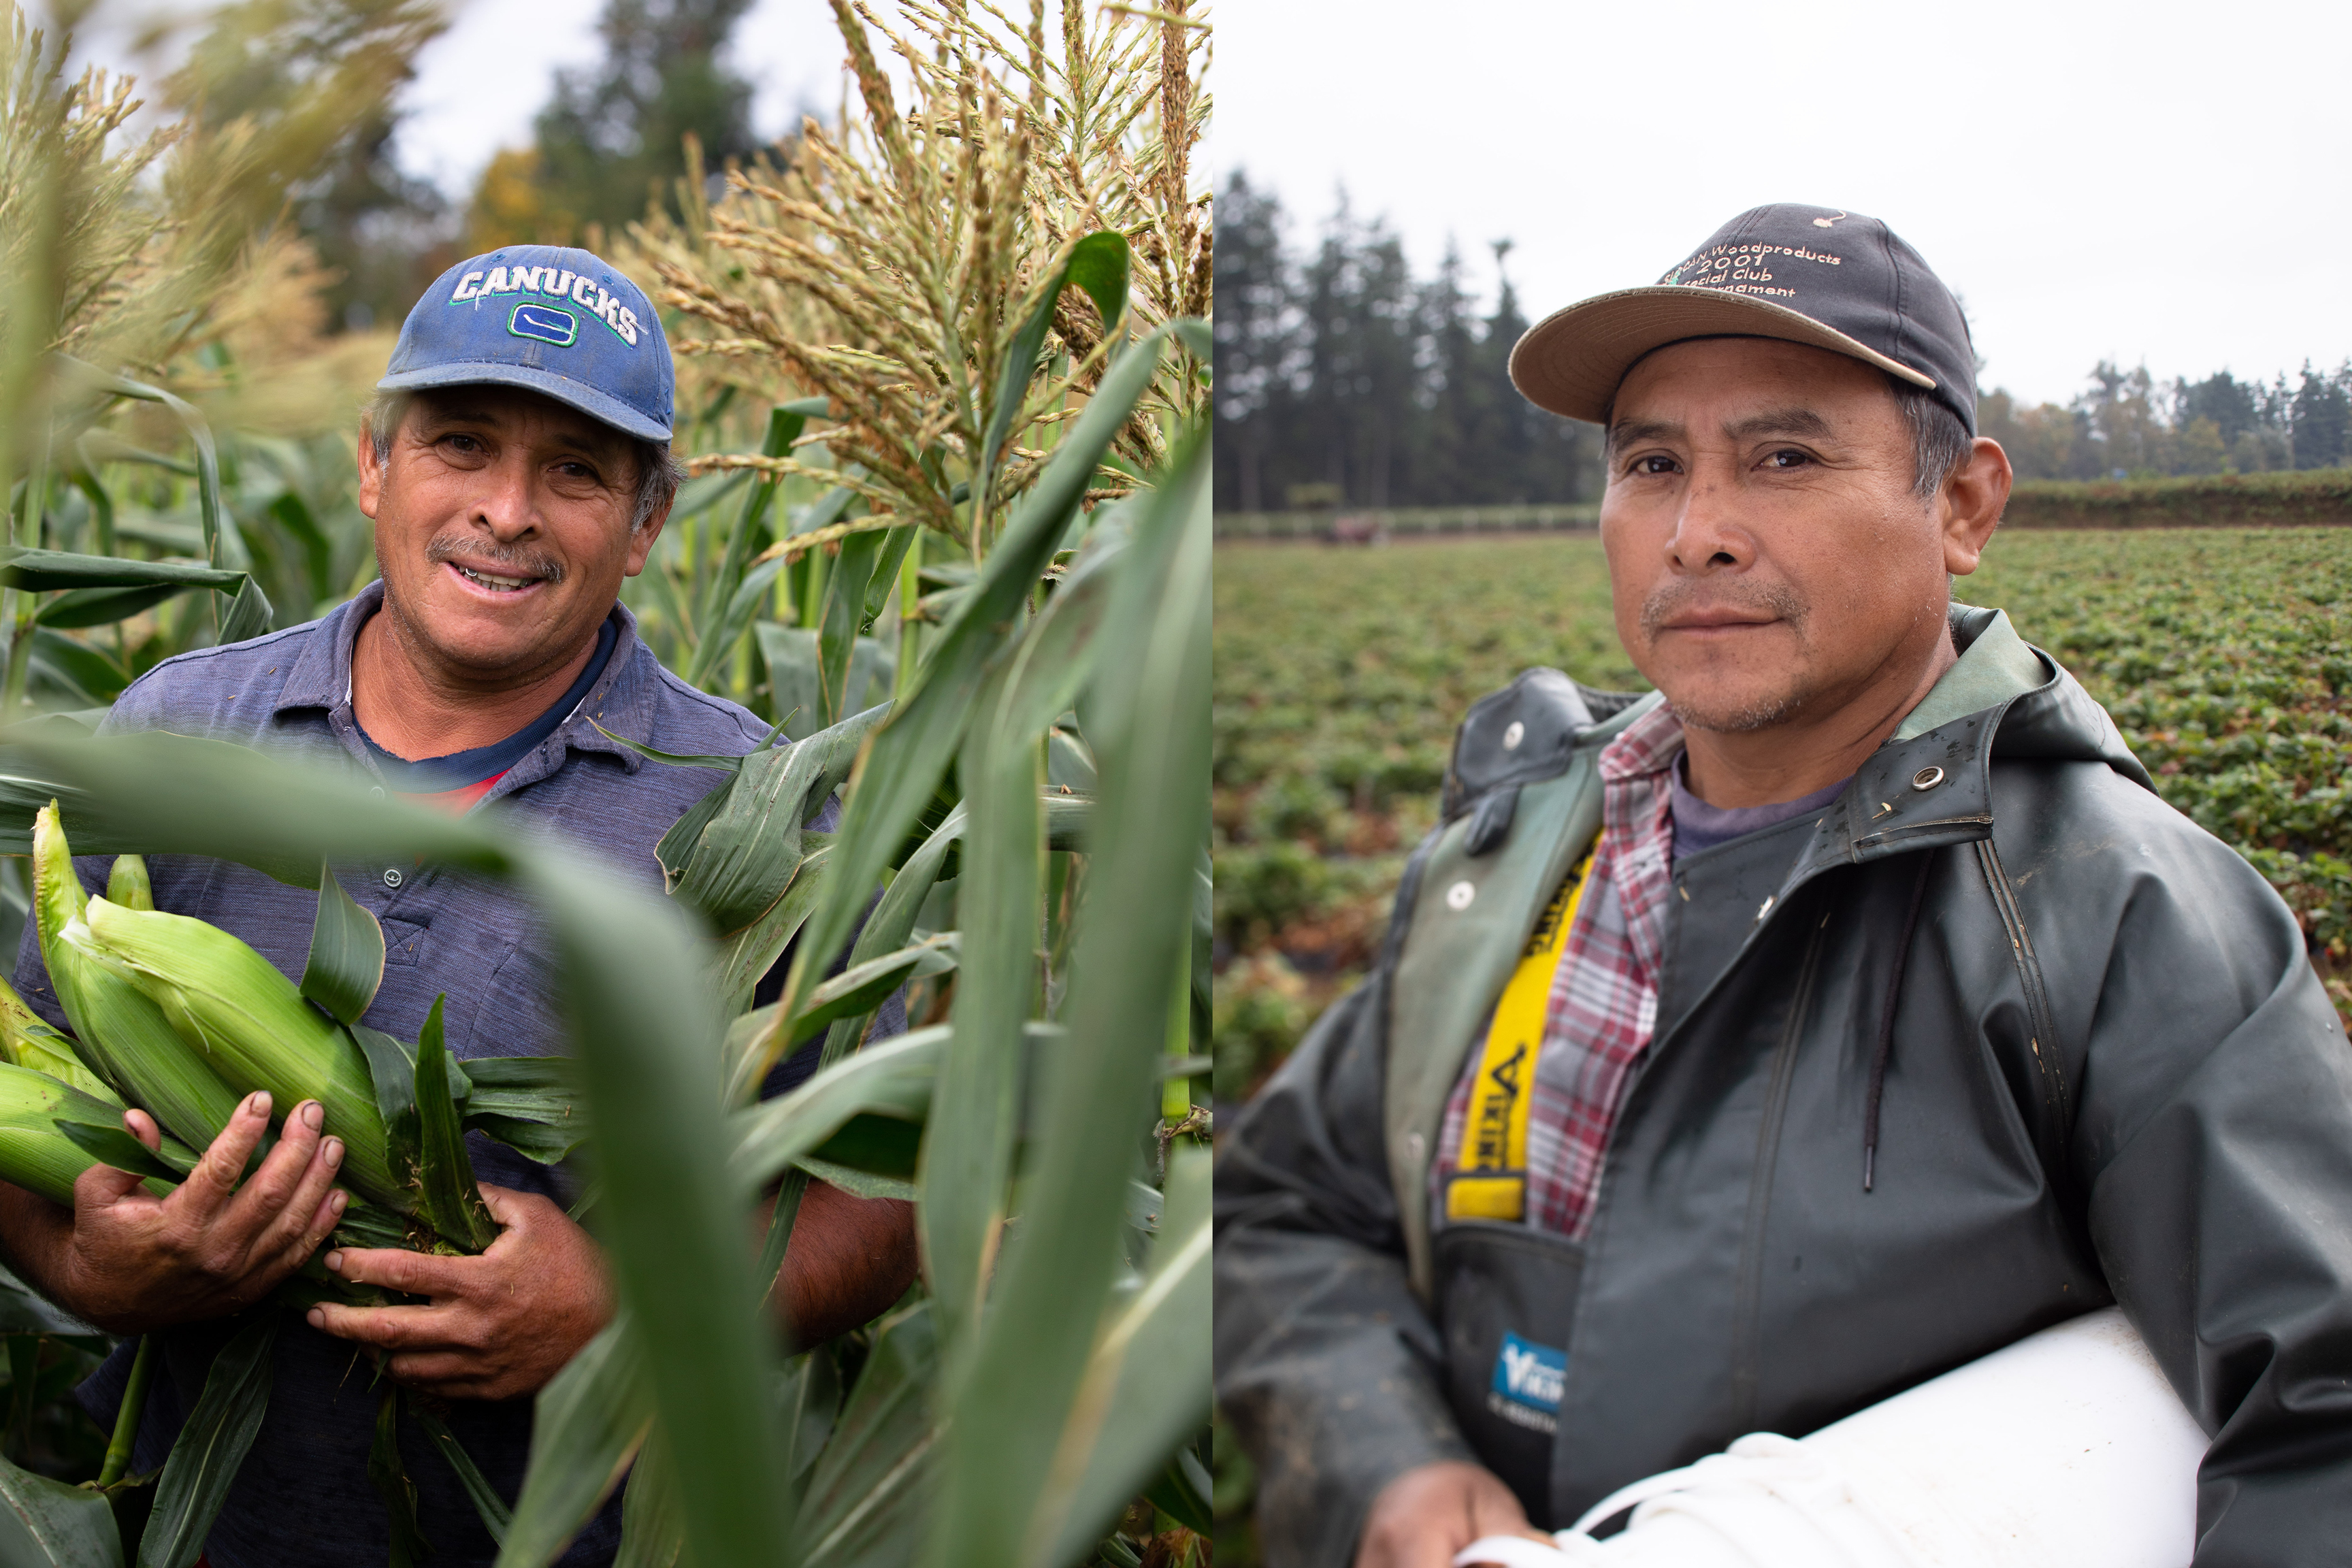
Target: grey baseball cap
1820	276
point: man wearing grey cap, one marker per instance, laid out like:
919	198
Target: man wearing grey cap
1849	1007
517	464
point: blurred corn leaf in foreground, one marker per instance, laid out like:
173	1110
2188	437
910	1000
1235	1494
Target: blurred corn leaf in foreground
946	377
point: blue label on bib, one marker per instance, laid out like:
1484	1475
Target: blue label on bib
1528	1376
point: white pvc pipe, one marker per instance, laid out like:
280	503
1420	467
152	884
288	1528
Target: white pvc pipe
2068	1449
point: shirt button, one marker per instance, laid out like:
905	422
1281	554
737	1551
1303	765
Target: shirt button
391	876
375	792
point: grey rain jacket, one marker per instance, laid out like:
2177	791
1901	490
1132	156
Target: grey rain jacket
2072	1037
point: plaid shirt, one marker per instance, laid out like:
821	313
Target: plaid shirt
1605	996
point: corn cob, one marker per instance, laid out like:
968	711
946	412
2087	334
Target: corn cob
253	1027
127	884
121	1037
27	1040
33	1153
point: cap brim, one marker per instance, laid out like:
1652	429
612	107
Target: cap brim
595	403
1571	361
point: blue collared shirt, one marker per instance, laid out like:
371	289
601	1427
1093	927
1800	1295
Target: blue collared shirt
303	1496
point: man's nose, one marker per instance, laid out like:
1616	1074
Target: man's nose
504	506
1708	536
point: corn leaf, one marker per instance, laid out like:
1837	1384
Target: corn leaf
907	755
111	1143
845	616
1105	253
862	987
868	1498
451	1201
591	1419
740	863
858	1182
653	1535
892	1078
48	1524
346	962
494	1514
968	1159
1147	1382
1005	1497
745	958
391	1069
248	616
531	1104
211	1445
388	1474
784	427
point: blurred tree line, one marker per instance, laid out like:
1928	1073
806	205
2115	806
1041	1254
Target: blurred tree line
608	141
1343	380
2128	423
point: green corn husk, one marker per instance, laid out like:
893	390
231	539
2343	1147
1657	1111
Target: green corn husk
127	884
121	1036
27	1040
253	1029
33	1155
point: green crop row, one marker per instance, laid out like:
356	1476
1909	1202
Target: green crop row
2225	657
2308	497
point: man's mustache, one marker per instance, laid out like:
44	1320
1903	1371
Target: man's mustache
1775	600
518	561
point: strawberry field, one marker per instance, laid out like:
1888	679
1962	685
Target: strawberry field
2225	656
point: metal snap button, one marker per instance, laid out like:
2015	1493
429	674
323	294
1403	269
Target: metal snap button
1458	896
1926	778
1514	735
391	876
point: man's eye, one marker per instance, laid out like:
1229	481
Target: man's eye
1788	459
1655	463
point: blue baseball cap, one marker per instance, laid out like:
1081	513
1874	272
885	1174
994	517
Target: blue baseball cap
550	318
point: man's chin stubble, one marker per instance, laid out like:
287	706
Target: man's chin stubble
1736	718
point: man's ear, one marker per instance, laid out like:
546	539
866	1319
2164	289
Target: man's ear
1969	505
641	541
371	472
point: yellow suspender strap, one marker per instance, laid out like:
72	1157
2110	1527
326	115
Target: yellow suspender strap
1491	1179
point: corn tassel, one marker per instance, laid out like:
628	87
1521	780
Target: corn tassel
253	1029
121	1036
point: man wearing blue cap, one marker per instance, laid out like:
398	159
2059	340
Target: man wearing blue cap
517	464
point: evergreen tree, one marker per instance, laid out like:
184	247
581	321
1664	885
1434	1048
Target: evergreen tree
612	138
2322	419
1255	327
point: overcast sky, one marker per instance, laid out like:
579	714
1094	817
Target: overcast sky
479	84
2148	181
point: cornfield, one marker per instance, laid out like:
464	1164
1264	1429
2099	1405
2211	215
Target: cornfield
944	378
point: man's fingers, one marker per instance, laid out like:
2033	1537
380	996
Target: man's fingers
386	1327
209	1187
417	1273
264	1194
143	1128
102	1187
309	1211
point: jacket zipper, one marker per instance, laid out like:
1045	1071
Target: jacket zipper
1747	1305
2041	1037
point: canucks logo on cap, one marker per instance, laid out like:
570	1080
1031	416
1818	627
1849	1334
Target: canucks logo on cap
1526	1385
546	323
